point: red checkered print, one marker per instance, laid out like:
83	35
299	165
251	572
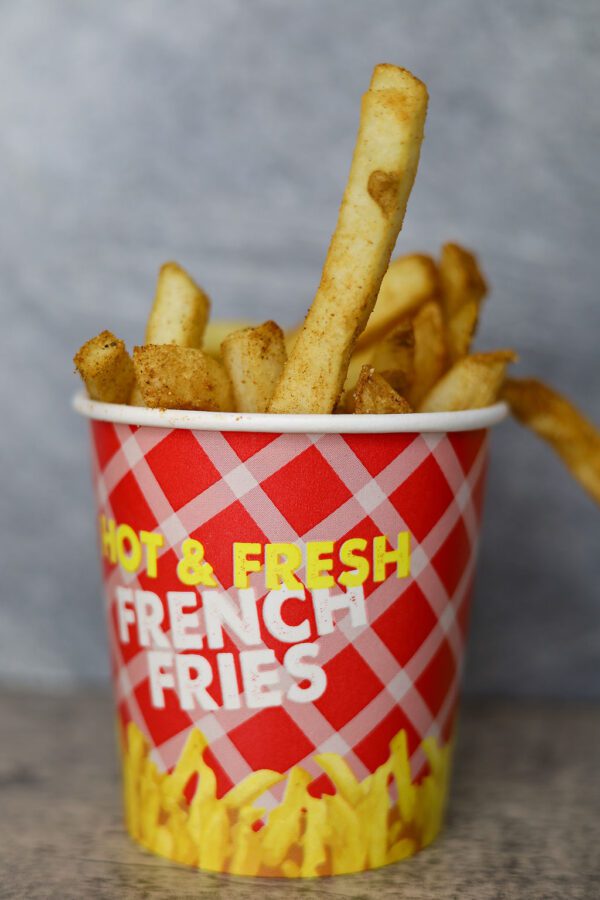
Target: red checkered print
400	670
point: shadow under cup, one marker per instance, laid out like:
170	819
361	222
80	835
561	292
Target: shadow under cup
287	610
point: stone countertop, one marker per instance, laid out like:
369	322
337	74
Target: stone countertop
524	819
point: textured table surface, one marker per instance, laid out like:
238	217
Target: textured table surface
524	819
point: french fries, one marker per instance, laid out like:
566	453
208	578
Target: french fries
380	337
254	360
217	330
408	283
381	177
106	368
463	288
374	395
461	279
556	421
471	383
180	310
172	377
430	351
384	818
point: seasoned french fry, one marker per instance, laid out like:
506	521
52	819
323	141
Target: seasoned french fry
135	398
409	282
381	177
430	352
374	395
217	330
461	279
472	382
180	310
396	352
172	377
553	418
254	360
460	329
106	368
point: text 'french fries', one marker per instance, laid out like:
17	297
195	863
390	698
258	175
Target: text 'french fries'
364	824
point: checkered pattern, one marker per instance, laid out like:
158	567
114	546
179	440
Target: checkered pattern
401	670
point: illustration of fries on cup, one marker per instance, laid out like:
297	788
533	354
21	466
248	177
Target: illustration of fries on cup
288	525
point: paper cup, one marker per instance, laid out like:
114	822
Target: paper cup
287	602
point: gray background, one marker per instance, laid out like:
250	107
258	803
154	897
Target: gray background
220	134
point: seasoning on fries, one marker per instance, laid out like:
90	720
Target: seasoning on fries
379	338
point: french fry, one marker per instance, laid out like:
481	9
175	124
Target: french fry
180	310
254	360
409	282
472	382
106	368
430	352
172	377
217	330
374	395
136	398
460	330
396	352
553	418
461	279
381	177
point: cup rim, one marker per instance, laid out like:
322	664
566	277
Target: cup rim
296	423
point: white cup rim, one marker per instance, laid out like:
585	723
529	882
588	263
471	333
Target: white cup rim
300	423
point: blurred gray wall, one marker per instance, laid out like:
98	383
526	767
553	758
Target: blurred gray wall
220	134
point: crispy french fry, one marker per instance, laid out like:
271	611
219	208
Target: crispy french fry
396	352
409	282
136	398
180	310
430	352
472	382
553	418
172	377
374	395
106	368
381	177
254	360
461	279
461	328
217	330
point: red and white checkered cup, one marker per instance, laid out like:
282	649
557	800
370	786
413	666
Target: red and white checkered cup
287	603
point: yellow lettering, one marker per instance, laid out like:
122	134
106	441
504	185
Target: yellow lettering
192	569
383	557
359	565
131	559
108	538
316	565
281	561
242	566
152	542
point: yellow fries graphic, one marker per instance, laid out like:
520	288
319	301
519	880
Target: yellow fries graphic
364	824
